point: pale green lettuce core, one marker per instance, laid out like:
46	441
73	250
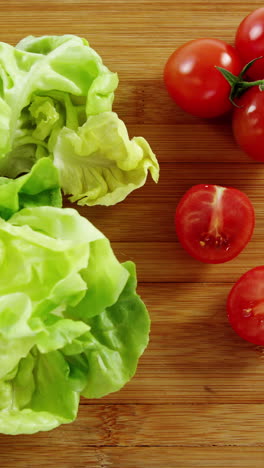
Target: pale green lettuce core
56	99
71	322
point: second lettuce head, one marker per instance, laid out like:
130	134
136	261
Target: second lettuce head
56	100
71	322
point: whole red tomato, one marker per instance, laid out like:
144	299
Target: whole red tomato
194	83
248	123
249	42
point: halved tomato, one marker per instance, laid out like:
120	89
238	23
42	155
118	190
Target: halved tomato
245	306
214	223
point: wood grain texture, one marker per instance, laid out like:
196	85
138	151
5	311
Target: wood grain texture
135	457
188	321
197	397
186	425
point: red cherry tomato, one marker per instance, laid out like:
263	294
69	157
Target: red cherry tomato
194	83
248	123
245	306
249	42
214	223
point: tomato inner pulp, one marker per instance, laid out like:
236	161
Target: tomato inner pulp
214	237
218	241
255	310
245	306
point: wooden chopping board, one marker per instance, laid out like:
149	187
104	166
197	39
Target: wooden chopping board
197	397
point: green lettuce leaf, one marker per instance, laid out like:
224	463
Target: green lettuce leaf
39	187
71	322
99	164
47	82
39	397
56	99
109	354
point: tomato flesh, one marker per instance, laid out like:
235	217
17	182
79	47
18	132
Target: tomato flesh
194	83
245	306
249	42
214	223
248	123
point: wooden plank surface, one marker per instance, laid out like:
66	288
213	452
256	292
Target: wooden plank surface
197	397
134	457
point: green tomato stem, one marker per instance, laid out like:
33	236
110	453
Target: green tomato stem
248	84
238	84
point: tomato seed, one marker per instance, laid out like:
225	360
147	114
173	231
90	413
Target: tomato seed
247	312
220	241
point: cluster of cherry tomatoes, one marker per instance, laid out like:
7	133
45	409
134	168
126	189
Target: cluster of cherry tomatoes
195	83
208	78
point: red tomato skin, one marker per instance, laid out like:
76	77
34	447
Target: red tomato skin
249	42
194	83
234	209
246	294
248	123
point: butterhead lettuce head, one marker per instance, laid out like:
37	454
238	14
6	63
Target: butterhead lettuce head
56	99
71	322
